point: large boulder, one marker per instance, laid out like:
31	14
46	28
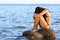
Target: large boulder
41	34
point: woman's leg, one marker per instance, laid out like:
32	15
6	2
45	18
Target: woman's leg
43	23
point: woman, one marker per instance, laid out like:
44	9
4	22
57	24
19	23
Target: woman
42	18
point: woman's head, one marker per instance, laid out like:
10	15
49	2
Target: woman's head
38	10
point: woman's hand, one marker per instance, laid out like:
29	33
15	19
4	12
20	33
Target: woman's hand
33	30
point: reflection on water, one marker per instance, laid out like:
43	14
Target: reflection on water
15	19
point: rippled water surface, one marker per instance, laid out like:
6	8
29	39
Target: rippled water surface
15	19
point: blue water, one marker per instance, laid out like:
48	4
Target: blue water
17	18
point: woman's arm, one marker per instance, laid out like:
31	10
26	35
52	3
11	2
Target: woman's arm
36	22
44	12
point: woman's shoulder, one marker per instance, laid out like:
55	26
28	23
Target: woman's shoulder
36	15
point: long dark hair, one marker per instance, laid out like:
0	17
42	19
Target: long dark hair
39	10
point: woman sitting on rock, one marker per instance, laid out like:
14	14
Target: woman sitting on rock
42	18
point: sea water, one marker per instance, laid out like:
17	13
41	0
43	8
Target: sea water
17	18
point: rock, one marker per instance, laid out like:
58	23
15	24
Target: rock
41	34
33	36
48	34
